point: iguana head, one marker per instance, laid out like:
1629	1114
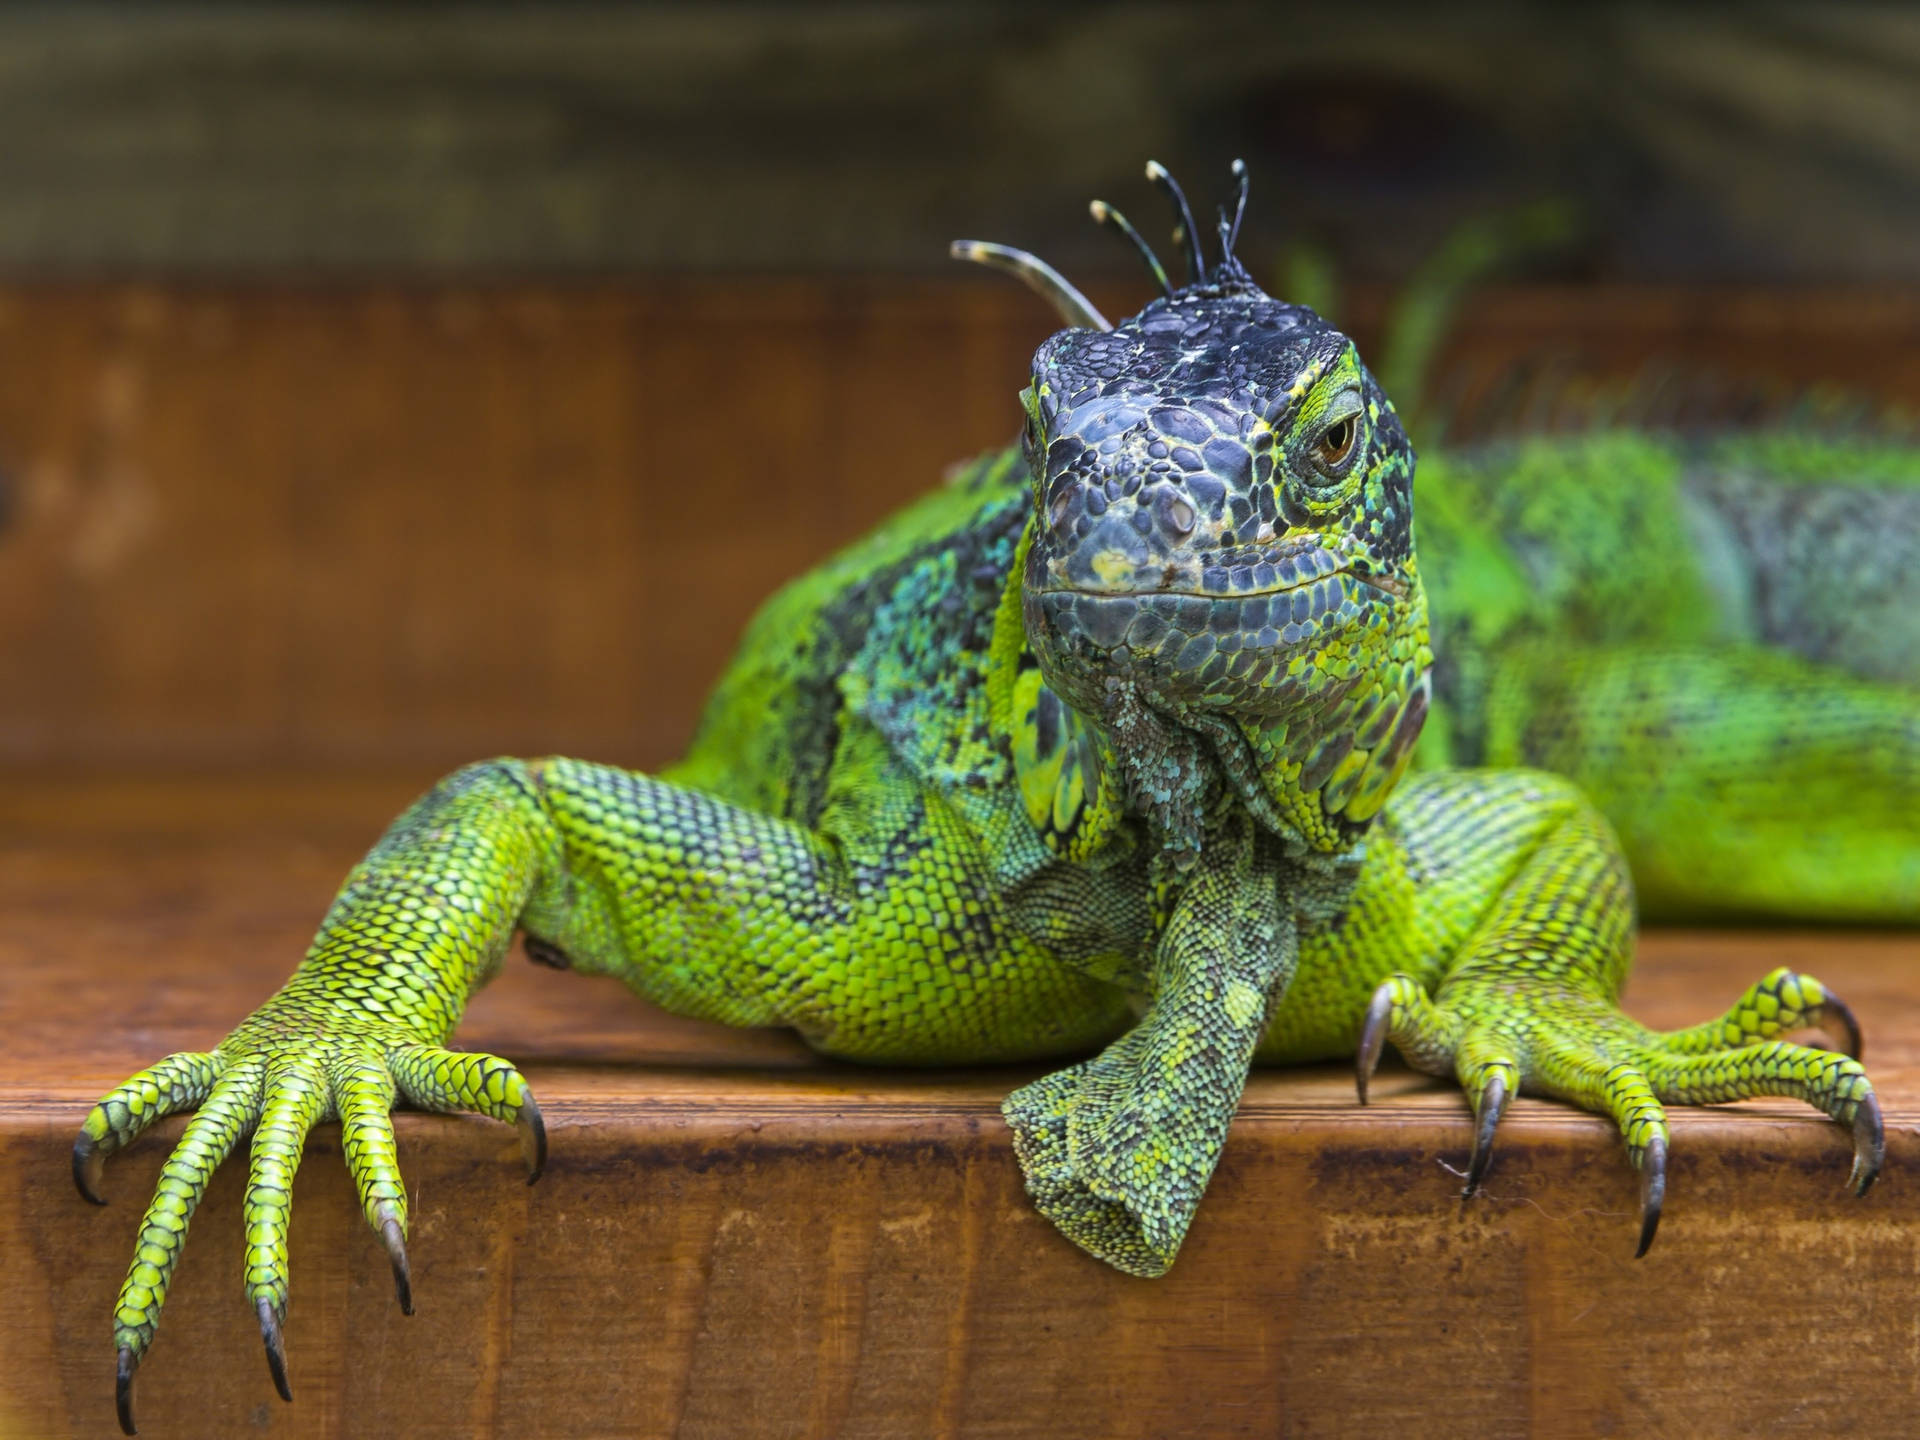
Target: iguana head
1223	538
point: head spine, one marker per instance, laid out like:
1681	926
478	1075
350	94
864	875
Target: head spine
1231	236
1184	233
1079	312
1040	277
1105	214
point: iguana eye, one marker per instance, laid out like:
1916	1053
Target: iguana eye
1335	447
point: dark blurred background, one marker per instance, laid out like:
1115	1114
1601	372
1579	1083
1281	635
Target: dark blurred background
385	387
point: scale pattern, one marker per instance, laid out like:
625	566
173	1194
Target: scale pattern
1036	770
1717	637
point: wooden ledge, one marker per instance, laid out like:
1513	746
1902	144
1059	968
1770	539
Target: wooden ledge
735	1238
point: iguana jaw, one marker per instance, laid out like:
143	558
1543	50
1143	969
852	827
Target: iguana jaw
1311	732
1251	654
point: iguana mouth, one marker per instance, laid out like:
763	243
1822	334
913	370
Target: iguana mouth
1195	631
1386	584
1240	574
1287	589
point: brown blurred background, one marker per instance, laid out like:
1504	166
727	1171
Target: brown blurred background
384	388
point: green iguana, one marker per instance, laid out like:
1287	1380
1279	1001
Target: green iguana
1098	750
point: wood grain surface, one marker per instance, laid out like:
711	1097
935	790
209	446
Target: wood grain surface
409	527
737	1239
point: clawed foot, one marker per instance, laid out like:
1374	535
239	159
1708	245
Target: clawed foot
264	1082
1078	1139
1500	1041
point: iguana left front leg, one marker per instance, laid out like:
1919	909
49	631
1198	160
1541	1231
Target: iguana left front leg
1117	1150
1487	936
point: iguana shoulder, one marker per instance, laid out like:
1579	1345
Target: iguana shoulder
891	632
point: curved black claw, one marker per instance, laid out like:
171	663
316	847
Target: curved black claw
276	1348
1373	1038
1838	1009
1869	1145
396	1244
1493	1104
1653	1192
88	1165
533	1138
123	1389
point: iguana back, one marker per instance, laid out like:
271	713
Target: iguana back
1717	635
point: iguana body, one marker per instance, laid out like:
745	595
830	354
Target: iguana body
1099	746
1717	637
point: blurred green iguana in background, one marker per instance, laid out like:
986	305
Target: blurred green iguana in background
1097	755
1714	628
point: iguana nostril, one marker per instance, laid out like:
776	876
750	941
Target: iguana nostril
1180	516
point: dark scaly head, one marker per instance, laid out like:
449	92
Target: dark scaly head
1222	545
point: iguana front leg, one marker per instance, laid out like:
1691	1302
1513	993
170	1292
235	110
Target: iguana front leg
1118	1150
887	945
420	924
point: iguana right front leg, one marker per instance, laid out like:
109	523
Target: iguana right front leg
894	949
419	926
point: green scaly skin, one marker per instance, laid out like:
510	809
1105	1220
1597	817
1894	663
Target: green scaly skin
1096	751
1717	637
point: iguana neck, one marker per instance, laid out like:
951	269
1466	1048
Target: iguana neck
1314	775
